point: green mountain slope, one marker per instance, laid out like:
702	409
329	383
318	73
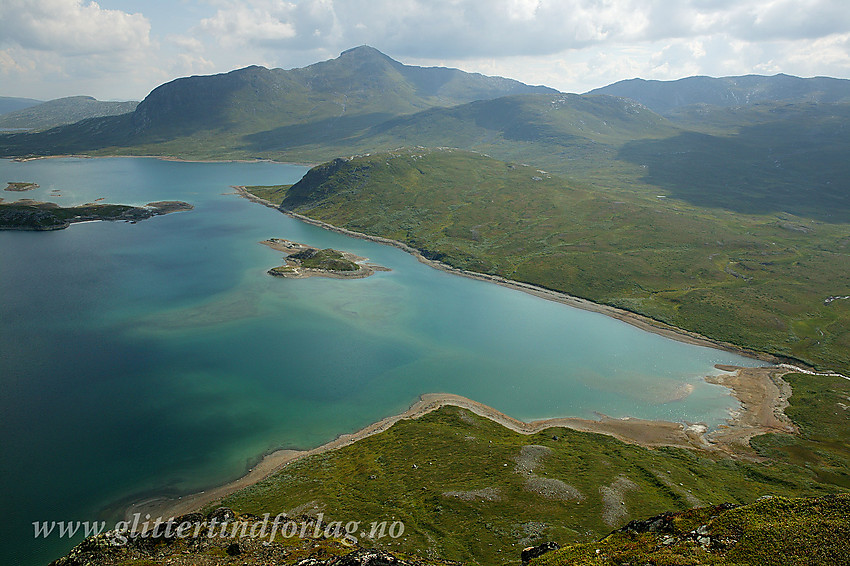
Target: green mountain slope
788	158
572	134
758	280
666	96
773	531
360	82
63	111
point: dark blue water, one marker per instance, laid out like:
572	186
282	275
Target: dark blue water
159	357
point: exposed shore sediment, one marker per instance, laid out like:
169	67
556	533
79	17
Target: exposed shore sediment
762	392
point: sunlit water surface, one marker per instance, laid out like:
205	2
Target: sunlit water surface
159	357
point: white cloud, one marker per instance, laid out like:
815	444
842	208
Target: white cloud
271	23
572	45
416	27
71	27
824	56
54	48
474	28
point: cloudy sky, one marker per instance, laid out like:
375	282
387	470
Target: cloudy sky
121	49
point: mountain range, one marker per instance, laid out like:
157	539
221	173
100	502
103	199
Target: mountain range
365	101
328	101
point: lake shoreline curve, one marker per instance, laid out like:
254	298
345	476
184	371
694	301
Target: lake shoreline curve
629	317
762	392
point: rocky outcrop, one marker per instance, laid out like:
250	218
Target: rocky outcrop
532	552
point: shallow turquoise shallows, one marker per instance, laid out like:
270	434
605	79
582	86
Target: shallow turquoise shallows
159	357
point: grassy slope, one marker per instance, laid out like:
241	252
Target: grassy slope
772	158
666	97
567	133
756	280
764	158
821	408
405	474
327	259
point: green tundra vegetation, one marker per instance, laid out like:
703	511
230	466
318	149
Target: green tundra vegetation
470	489
327	259
762	281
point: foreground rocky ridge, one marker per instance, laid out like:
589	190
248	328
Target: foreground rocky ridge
773	530
222	537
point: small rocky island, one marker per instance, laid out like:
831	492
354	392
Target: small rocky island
26	214
20	186
303	261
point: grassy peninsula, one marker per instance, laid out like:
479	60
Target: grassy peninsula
761	281
38	216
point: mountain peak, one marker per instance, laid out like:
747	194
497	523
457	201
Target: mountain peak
365	55
363	51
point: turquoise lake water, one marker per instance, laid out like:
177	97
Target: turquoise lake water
160	358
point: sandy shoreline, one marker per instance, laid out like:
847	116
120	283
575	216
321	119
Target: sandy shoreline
762	392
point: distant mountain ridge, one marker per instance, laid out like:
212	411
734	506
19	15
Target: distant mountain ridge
63	111
11	103
555	131
665	97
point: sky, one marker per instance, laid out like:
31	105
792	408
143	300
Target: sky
122	49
